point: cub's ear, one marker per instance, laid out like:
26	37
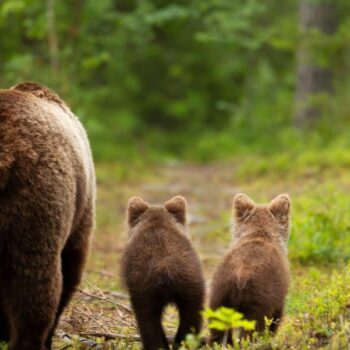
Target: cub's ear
136	207
177	206
280	208
242	206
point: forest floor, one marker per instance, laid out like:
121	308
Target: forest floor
317	312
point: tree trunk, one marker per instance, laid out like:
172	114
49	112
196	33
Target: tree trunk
52	35
314	82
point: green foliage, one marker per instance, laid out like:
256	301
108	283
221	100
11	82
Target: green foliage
224	319
152	78
321	227
297	161
318	308
192	342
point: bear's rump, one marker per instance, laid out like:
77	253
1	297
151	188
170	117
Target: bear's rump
47	179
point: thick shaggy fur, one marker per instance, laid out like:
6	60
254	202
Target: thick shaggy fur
47	196
253	276
160	266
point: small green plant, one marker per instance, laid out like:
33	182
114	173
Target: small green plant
224	319
192	342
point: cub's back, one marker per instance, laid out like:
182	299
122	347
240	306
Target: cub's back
158	255
255	271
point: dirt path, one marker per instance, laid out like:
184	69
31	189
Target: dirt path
208	188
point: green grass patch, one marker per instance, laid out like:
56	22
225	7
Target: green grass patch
321	227
295	164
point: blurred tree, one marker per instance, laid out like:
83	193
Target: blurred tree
314	74
52	35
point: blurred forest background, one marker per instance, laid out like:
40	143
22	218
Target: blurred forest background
188	79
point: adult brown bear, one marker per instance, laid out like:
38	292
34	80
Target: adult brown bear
47	204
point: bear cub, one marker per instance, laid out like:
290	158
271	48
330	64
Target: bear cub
253	276
160	266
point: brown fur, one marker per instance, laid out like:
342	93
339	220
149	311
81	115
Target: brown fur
253	276
47	195
160	266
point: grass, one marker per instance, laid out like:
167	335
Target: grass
318	305
317	313
321	227
297	164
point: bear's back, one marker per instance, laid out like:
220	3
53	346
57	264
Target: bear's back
33	123
46	168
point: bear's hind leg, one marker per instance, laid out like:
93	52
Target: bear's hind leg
73	259
32	304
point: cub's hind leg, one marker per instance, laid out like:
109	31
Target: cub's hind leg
220	296
190	320
4	328
148	315
189	302
276	320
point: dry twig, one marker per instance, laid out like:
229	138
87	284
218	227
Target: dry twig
109	300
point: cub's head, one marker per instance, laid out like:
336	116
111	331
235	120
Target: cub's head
171	212
271	219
